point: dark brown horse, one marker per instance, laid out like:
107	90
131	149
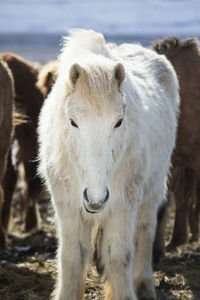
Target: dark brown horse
185	57
28	101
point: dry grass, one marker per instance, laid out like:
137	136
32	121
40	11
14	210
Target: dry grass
28	267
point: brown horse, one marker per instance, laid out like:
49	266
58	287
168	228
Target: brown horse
46	77
185	57
6	128
28	100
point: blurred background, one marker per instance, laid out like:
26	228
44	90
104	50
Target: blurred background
34	28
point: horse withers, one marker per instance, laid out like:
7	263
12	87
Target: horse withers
184	182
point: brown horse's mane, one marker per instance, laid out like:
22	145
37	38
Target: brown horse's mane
172	45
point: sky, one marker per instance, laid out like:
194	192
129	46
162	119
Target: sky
112	17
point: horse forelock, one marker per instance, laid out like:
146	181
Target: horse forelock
96	86
88	49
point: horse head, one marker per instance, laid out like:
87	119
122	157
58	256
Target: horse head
95	112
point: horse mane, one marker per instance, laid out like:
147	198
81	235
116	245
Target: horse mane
172	45
90	51
77	42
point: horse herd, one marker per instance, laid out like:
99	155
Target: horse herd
110	129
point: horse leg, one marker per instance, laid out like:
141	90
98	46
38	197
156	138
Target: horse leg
73	258
117	256
180	231
159	242
183	190
27	154
194	217
31	195
3	163
143	240
9	183
2	234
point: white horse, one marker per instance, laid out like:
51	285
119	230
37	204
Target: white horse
106	133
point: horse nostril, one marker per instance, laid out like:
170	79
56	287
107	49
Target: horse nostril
85	195
103	201
107	196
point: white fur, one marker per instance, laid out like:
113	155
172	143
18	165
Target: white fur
132	161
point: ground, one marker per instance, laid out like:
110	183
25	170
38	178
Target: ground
28	267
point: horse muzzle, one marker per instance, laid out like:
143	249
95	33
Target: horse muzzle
92	206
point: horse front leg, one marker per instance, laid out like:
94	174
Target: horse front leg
143	241
8	185
117	256
31	195
73	256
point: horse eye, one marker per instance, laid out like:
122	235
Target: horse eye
73	123
119	123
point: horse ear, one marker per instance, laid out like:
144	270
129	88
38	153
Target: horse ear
74	73
119	74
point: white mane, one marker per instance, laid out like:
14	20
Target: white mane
82	46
